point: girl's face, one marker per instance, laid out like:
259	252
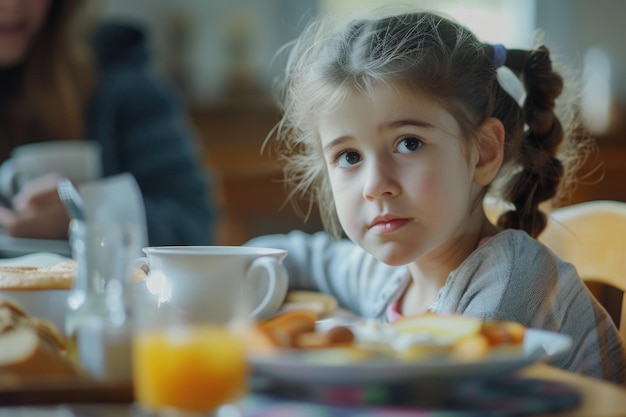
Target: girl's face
400	173
20	23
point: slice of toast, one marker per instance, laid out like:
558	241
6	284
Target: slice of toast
310	301
24	353
57	276
31	346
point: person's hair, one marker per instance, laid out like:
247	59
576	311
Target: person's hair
43	98
439	57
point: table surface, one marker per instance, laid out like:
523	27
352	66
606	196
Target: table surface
599	398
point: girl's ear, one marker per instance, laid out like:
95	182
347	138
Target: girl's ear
490	147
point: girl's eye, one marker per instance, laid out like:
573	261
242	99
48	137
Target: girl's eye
409	144
348	158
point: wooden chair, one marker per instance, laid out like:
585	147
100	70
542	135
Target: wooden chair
592	236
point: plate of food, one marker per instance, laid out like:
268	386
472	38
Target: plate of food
302	349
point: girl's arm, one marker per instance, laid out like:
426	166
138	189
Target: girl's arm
317	262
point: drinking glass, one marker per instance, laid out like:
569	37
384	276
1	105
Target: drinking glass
188	370
189	354
98	324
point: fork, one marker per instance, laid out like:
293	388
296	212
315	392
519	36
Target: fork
71	199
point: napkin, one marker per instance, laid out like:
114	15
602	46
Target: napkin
115	199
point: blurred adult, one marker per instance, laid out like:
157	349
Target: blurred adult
66	75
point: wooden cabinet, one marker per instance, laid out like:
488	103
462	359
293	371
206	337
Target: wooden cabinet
604	175
249	189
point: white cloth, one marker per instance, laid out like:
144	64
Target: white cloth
511	277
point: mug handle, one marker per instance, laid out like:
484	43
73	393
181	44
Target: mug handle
142	263
276	288
154	284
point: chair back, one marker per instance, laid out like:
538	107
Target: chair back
592	236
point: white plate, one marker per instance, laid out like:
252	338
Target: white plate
46	304
539	345
15	246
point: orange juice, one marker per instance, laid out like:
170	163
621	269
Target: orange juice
193	368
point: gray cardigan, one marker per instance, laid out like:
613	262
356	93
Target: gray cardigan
511	277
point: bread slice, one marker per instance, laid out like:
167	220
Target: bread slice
13	317
30	346
315	302
24	353
448	328
57	276
462	338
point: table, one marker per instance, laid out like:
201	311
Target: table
599	398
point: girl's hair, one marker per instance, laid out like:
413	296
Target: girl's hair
43	98
440	57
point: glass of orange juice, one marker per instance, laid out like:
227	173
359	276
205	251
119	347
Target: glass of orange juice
189	354
191	368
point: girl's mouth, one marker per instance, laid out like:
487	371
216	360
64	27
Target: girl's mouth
388	225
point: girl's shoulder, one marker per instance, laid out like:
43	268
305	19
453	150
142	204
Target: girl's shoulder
512	277
514	247
515	259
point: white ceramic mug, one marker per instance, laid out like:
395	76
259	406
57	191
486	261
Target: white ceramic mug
79	160
211	282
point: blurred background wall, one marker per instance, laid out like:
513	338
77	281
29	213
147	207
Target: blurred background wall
210	47
219	53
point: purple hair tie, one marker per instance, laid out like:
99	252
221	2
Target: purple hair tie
499	55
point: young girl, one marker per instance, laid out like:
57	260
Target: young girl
398	127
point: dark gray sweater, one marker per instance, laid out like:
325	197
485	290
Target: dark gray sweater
142	130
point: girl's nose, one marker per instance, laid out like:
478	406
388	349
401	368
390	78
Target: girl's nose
380	182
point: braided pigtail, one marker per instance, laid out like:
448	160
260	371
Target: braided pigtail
541	171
